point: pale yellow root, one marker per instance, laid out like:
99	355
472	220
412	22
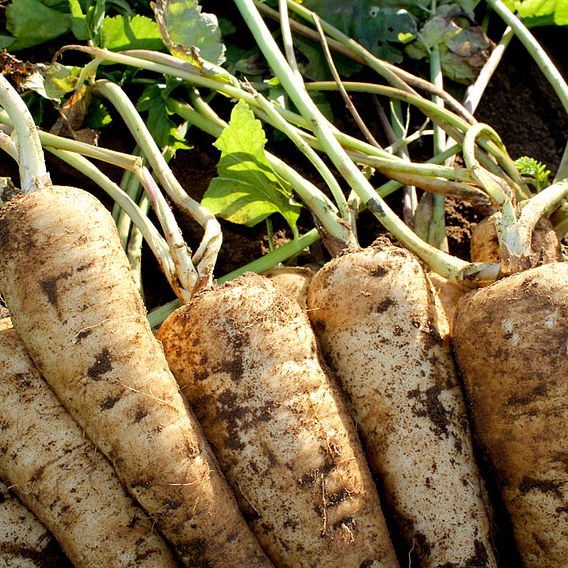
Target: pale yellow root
484	246
511	345
247	360
69	288
62	478
294	280
24	541
446	294
374	314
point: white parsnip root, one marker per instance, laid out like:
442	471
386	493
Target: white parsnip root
247	360
374	313
68	285
63	479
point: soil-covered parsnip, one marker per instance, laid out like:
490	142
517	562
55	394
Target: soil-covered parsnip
447	294
74	303
510	344
247	360
24	541
294	280
484	246
63	479
374	313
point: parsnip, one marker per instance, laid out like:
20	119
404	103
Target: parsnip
69	288
374	313
247	361
62	478
510	342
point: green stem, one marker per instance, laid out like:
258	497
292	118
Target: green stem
441	262
395	76
33	173
475	91
312	156
206	256
540	56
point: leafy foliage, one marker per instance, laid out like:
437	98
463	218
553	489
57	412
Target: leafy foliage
185	29
540	12
247	190
536	173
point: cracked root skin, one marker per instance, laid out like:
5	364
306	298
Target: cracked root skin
246	359
511	342
374	314
73	301
60	475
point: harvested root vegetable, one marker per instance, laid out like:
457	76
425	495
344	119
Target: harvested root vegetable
510	343
247	361
374	314
24	541
545	247
447	294
61	476
294	280
69	288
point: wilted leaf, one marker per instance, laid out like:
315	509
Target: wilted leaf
247	190
188	32
52	81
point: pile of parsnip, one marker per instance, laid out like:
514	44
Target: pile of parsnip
328	417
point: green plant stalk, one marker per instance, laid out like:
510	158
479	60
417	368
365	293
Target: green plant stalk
262	264
131	186
397	130
495	188
395	76
454	125
287	40
206	255
165	64
31	161
308	151
118	159
436	226
475	91
135	242
442	263
7	145
317	202
537	206
540	56
344	95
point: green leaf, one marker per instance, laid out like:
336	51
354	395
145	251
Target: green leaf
541	12
98	115
377	28
186	31
6	41
247	190
78	20
52	81
138	32
33	23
